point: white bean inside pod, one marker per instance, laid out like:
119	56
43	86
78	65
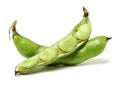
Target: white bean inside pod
49	54
84	30
68	43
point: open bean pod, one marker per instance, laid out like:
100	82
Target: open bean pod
77	37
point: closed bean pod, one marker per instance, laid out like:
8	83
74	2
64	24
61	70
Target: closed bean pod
92	48
25	46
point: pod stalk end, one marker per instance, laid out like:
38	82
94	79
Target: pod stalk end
17	73
85	11
12	28
108	38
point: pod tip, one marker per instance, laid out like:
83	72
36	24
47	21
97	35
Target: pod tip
86	13
13	27
17	73
108	38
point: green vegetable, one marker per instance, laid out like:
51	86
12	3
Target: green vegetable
61	48
25	46
92	48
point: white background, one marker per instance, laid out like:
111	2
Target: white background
45	22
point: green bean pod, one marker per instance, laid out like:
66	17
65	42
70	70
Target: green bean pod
77	37
25	46
92	48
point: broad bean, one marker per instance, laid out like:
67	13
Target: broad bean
25	46
59	49
92	48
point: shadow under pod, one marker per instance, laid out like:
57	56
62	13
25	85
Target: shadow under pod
94	61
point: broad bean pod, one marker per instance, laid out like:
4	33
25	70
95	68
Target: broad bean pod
25	46
90	49
64	47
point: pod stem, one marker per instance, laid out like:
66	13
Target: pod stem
16	73
85	11
13	29
108	38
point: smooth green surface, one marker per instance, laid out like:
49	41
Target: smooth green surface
26	47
